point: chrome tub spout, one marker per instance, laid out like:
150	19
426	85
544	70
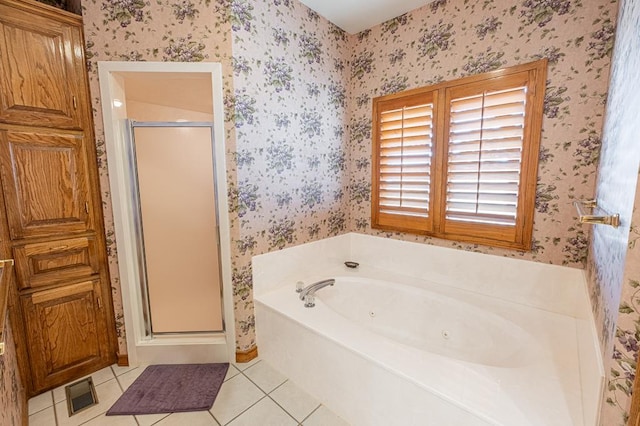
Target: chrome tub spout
307	294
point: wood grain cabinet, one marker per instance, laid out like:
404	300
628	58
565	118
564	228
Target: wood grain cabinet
41	70
50	205
56	261
65	332
45	181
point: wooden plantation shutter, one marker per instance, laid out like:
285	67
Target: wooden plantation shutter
482	151
485	151
402	176
489	161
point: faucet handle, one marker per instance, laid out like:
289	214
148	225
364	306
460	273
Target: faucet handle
299	286
309	301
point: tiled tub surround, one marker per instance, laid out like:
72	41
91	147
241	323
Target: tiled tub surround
537	363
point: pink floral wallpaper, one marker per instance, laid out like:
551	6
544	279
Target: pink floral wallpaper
12	407
298	104
289	109
298	96
137	31
285	102
447	39
614	254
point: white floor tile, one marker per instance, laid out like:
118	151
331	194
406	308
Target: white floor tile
118	370
107	393
231	372
236	395
150	419
112	421
45	417
59	394
194	418
102	376
294	400
263	375
244	365
127	378
40	402
324	417
264	413
99	377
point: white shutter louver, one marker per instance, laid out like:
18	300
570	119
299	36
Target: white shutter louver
486	134
405	160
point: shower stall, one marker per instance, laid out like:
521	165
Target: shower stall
165	143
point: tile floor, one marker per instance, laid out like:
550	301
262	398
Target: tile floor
253	394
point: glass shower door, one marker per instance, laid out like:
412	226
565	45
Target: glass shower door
178	244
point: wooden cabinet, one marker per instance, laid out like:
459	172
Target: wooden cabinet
6	269
45	181
50	204
65	332
41	70
56	261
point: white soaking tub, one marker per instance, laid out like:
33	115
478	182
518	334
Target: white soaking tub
386	348
430	321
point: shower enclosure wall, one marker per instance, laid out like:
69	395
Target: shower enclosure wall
165	143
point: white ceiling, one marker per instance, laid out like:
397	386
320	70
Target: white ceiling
354	16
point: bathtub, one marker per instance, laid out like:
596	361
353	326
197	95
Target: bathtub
429	321
389	347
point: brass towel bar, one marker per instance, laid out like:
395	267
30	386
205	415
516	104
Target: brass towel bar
601	219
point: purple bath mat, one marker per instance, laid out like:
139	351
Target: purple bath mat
172	388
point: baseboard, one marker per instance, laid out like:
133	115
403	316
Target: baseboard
247	356
123	360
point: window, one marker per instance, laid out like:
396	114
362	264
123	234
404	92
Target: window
458	160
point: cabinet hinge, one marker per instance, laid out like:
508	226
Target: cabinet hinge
86	206
75	102
99	302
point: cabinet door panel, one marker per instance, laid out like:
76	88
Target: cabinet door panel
64	330
45	178
54	262
37	70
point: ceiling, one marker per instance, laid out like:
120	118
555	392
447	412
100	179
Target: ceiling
354	16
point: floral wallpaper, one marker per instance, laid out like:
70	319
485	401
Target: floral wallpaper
614	254
186	31
297	101
621	360
298	96
285	118
290	78
12	400
449	39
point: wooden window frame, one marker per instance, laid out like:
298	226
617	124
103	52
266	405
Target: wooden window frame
517	237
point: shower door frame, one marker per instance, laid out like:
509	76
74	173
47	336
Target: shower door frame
142	348
131	125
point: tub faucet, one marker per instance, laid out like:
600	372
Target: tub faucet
307	293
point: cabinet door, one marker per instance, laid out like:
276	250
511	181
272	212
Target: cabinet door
39	63
46	183
65	332
54	262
